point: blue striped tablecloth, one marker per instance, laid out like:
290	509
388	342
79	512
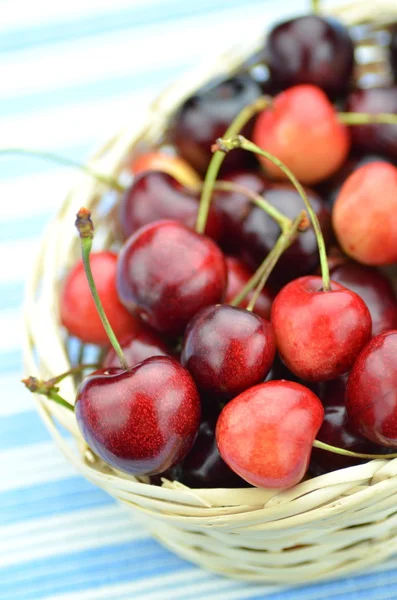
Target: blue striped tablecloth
70	74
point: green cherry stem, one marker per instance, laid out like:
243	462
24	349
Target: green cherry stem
230	186
343	452
238	141
85	228
315	4
217	159
48	389
67	162
356	118
283	242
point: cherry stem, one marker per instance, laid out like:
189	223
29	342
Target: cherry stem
283	242
48	389
67	162
238	141
315	6
230	186
217	159
85	228
356	118
343	452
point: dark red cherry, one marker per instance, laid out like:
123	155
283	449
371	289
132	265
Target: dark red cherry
167	273
371	394
393	52
260	232
311	49
77	308
266	433
203	467
137	347
234	207
155	195
227	350
141	421
237	277
337	431
207	114
375	138
374	288
319	334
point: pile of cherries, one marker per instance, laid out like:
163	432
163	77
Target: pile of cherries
232	355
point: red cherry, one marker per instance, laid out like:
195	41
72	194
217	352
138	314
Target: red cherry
266	433
167	273
365	214
227	349
374	288
300	128
319	334
371	394
154	196
77	308
141	421
237	277
137	347
337	431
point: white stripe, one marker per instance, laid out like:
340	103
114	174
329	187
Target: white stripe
21	254
13	400
66	534
11	328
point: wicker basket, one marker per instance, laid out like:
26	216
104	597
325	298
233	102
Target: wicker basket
324	527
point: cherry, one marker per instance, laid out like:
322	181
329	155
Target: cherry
311	49
371	394
165	162
77	308
393	52
166	273
259	232
142	421
207	114
227	349
203	467
237	277
337	431
378	138
154	196
319	334
136	347
266	433
300	128
234	206
374	288
365	214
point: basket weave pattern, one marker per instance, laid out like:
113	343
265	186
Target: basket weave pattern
326	526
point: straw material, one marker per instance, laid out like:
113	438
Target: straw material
324	527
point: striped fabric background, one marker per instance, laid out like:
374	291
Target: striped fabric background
70	74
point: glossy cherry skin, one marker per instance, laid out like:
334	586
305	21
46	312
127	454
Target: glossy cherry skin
266	433
204	467
227	350
393	52
376	138
237	277
371	394
234	207
162	161
77	309
207	114
260	232
137	347
374	288
141	421
311	49
336	431
154	196
166	273
299	129
364	216
319	334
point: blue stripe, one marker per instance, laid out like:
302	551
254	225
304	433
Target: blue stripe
111	22
11	295
52	498
110	564
10	361
24	227
22	429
